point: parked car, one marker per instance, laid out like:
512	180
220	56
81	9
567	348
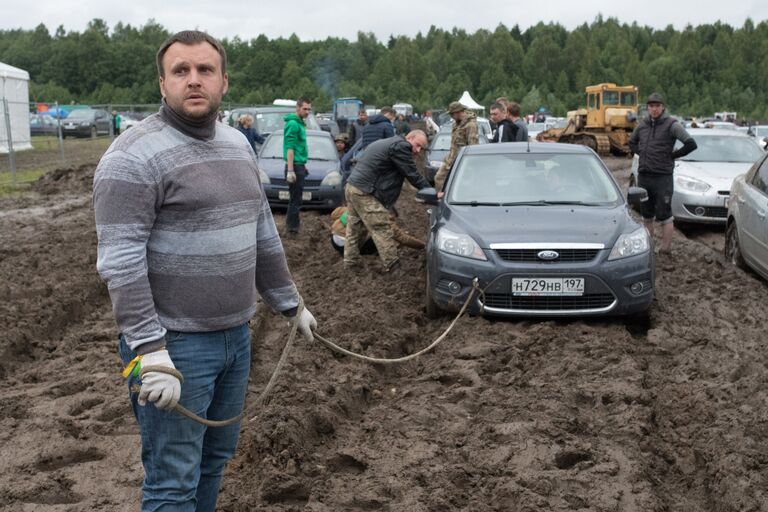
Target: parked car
535	128
760	133
327	124
703	178
41	124
322	187
130	119
746	232
268	119
545	231
86	123
438	149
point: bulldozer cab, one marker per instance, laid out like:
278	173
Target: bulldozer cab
608	104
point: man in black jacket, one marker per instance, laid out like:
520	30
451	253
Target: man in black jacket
654	141
379	127
505	131
373	188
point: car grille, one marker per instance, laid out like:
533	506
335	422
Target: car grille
280	182
529	255
548	303
709	211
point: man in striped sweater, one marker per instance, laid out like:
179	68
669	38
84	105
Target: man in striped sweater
186	242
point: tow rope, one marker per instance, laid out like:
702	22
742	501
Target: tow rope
284	357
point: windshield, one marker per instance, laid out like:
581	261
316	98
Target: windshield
610	98
532	178
442	142
537	127
628	99
320	147
722	148
81	114
347	110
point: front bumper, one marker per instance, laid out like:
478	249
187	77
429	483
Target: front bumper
606	286
710	207
315	197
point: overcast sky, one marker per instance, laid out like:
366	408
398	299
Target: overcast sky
311	19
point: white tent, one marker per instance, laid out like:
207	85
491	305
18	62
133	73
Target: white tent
468	102
14	89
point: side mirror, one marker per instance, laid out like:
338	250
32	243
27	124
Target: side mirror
636	195
427	195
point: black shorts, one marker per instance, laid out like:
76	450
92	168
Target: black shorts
659	203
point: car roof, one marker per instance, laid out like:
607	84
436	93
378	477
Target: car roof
523	147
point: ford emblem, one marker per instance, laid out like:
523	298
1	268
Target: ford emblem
548	255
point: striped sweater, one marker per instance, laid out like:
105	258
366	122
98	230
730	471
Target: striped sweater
186	236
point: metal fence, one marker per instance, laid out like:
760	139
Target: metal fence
59	135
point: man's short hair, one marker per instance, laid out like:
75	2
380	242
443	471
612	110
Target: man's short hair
514	109
500	107
303	100
504	101
362	111
387	110
189	37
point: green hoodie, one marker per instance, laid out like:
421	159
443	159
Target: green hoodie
295	138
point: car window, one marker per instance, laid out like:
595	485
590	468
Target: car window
723	148
760	179
442	142
532	177
319	147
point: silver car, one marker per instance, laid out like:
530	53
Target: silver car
746	233
703	178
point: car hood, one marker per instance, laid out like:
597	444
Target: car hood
719	175
533	224
318	169
712	170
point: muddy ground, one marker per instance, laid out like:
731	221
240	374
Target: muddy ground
526	415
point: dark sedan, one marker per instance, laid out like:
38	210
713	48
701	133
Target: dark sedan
322	187
86	123
544	229
41	124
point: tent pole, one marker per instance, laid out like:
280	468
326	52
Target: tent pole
11	155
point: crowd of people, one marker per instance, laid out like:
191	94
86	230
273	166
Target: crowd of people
187	241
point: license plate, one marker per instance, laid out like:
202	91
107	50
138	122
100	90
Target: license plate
285	195
548	286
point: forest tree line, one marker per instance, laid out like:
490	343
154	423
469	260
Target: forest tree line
700	70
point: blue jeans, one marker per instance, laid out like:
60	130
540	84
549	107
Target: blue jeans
183	460
295	198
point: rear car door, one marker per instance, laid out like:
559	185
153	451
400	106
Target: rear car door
754	227
103	121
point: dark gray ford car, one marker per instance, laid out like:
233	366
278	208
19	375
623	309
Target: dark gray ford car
544	228
322	187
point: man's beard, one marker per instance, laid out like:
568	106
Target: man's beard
197	115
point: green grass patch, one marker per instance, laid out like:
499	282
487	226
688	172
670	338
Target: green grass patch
24	179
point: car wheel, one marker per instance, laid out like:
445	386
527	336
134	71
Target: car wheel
93	132
432	309
732	247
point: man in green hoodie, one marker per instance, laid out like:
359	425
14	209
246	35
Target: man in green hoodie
295	156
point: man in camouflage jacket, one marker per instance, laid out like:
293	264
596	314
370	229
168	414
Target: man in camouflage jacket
464	133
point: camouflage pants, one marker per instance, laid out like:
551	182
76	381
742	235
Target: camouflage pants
365	212
440	177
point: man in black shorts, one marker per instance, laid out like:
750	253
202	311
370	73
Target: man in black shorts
654	141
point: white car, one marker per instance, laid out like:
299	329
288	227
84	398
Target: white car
703	178
746	232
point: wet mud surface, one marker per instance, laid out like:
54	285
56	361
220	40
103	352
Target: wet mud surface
526	415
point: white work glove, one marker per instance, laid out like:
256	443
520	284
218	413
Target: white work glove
163	389
291	177
306	322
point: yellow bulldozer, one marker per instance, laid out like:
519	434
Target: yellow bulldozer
605	124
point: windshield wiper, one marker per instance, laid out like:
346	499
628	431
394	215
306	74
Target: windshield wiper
542	202
475	203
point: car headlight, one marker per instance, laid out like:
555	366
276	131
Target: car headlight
459	244
630	244
84	123
264	178
332	179
691	184
436	163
